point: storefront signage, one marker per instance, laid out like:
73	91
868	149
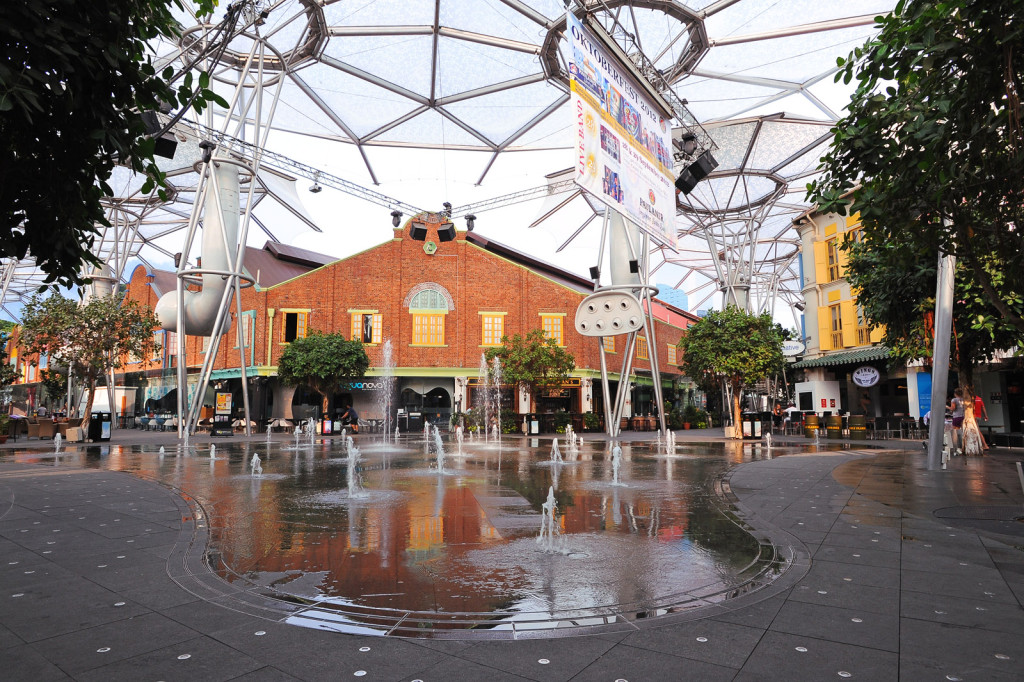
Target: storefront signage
792	348
866	376
366	385
622	141
568	383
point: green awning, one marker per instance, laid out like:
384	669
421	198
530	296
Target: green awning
845	357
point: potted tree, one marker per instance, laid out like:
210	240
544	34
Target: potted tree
689	416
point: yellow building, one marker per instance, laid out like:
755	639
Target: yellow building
844	362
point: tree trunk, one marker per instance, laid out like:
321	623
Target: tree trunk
87	412
737	418
969	432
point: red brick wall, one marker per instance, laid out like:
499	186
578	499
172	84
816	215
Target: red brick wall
381	278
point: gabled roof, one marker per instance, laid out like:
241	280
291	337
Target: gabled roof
663	311
564	277
269	266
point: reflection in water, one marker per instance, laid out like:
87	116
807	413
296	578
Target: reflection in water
410	539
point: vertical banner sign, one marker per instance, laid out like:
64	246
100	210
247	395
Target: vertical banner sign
623	143
223	403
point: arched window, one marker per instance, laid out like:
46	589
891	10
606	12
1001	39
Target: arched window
429	305
429	299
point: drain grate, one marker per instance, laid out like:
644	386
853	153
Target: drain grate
982	513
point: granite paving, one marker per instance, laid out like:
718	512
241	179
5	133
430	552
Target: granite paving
889	584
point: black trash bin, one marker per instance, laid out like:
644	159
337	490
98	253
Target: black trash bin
752	424
99	426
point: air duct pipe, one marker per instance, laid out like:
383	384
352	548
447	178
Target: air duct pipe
220	233
623	248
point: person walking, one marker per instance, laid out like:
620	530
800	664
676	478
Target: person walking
956	409
980	414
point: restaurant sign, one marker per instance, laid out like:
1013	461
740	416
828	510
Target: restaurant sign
866	376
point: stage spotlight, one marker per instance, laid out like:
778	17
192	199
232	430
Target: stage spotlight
396	218
687	144
315	188
470	222
447	209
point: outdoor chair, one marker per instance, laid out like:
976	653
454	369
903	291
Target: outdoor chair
47	429
33	428
886	428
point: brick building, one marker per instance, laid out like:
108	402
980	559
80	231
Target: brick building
441	303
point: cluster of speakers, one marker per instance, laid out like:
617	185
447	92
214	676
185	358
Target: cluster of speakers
607	313
695	172
445	232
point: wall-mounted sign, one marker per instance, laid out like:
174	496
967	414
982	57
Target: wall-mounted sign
866	376
792	348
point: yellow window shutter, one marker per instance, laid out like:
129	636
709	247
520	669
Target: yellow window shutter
877	334
848	313
824	328
843	256
821	262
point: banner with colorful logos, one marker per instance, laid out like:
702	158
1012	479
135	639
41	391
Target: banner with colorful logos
623	143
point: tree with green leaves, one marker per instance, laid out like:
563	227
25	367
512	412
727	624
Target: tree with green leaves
95	337
895	281
8	372
732	349
934	138
54	383
533	361
74	77
933	144
324	362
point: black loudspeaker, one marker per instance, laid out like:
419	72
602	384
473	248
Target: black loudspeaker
703	166
595	272
686	182
446	232
418	231
695	172
165	145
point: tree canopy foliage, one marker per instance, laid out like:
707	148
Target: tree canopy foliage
8	373
732	348
95	337
74	76
323	362
895	280
934	140
533	360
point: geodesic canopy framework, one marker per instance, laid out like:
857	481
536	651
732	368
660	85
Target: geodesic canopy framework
736	232
490	76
